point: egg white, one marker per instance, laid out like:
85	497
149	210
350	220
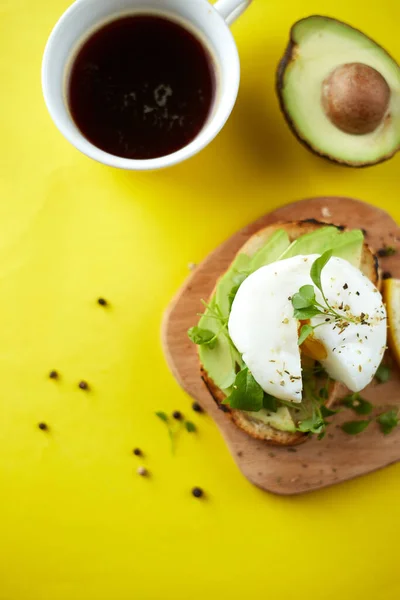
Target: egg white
264	330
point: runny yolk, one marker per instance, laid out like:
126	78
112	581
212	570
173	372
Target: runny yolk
312	347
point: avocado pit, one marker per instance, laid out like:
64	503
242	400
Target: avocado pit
355	98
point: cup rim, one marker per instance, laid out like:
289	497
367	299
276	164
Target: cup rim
80	142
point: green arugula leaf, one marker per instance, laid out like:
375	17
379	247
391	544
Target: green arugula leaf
302	314
247	393
305	332
190	427
201	336
388	421
327	412
270	402
162	415
358	404
355	427
383	373
317	267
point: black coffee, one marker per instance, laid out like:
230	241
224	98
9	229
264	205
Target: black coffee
141	87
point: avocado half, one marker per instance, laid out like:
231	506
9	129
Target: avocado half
340	92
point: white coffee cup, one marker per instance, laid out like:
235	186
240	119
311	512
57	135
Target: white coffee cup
209	23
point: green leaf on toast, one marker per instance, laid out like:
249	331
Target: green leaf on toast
305	332
270	402
317	267
304	298
303	314
247	394
327	412
199	335
315	424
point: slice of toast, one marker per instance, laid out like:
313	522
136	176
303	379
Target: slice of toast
257	429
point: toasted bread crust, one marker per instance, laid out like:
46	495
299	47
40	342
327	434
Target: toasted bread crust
253	427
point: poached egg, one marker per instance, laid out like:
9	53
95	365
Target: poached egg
263	328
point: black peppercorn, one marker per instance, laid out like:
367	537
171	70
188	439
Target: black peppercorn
102	302
43	426
177	415
53	375
137	452
197	492
83	385
386	251
197	408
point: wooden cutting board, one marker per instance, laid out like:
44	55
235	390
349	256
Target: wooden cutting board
314	464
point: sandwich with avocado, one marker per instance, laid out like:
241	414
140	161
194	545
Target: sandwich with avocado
297	312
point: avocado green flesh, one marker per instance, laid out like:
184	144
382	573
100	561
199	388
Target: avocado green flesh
236	274
349	245
281	419
243	265
220	361
316	242
271	251
320	45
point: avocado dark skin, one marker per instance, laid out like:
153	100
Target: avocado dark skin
289	57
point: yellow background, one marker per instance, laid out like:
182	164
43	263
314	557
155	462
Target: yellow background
76	522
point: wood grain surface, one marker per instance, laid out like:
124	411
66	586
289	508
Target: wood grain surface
315	464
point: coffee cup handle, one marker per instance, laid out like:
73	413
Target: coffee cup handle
230	10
